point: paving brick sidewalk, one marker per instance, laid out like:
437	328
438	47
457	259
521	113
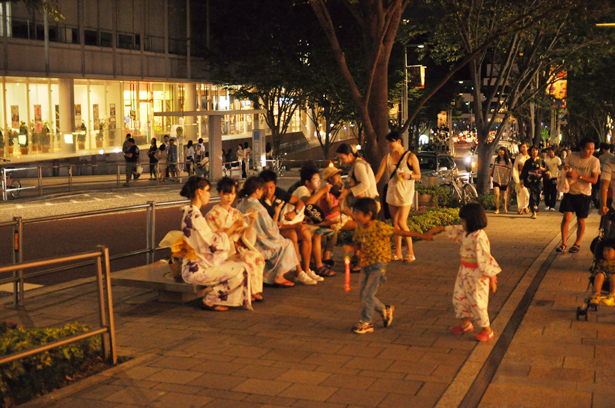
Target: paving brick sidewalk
297	350
555	360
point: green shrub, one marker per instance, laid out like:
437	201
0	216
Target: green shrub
423	221
488	201
441	196
26	378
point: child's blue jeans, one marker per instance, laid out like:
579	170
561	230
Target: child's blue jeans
372	276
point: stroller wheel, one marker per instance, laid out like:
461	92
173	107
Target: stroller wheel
582	311
593	307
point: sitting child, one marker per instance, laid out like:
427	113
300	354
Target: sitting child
604	271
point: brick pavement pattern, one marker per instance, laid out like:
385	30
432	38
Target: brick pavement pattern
297	350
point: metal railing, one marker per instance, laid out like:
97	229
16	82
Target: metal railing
149	250
105	301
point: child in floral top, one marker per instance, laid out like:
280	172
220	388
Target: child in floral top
373	239
476	273
604	271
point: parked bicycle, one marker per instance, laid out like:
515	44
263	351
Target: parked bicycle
461	190
10	184
276	165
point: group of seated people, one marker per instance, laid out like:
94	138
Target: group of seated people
272	236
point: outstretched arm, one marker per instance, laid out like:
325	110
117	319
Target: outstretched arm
426	237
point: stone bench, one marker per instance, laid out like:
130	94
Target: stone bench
158	276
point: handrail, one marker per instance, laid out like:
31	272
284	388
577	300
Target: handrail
105	300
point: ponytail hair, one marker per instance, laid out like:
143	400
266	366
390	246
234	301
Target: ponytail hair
250	186
347	149
194	183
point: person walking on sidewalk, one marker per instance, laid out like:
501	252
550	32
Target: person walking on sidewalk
477	272
501	171
532	173
131	156
550	181
523	195
373	239
582	170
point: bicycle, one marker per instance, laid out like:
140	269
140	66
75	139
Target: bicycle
13	184
276	165
463	191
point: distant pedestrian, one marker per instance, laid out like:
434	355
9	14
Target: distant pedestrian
131	156
550	181
582	170
172	161
523	194
162	162
152	153
501	172
373	239
531	175
126	146
190	152
477	272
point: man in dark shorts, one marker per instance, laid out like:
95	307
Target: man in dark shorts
582	170
131	156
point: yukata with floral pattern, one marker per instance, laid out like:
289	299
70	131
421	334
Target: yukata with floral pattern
206	263
471	294
219	218
278	251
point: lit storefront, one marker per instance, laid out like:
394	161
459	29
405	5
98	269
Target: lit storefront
105	111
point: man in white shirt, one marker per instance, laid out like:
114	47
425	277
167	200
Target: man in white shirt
550	182
582	170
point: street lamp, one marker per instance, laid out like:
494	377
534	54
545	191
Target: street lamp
404	111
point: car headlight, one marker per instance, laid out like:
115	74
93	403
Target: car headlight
473	164
468	159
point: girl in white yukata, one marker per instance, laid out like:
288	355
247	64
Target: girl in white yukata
477	272
205	254
278	251
223	216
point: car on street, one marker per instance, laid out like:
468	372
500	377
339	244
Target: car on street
471	159
436	167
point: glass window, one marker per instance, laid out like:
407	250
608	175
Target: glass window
106	39
91	37
125	41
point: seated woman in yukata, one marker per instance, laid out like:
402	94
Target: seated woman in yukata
223	216
278	251
205	255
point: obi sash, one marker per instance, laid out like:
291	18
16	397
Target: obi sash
469	263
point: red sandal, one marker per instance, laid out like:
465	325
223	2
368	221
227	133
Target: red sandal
462	329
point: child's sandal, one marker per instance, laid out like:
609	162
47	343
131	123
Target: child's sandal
561	248
575	248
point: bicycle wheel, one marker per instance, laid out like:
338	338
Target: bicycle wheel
15	184
451	191
469	193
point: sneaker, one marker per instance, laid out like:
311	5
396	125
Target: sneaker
595	300
137	176
387	317
314	277
609	300
547	208
552	209
304	279
362	328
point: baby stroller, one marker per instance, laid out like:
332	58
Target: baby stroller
605	232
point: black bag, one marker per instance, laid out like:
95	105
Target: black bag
383	198
314	213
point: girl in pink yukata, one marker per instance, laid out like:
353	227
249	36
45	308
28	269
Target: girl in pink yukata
477	272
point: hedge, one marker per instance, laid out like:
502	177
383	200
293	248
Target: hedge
26	378
427	218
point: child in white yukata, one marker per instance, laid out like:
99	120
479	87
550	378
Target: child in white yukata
477	272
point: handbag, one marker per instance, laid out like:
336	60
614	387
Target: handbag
299	217
383	198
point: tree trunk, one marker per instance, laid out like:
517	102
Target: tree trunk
522	128
538	126
378	108
276	138
484	154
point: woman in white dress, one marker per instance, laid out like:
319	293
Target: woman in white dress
222	216
523	195
400	165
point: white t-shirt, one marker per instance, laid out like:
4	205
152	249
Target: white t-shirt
302	192
553	166
607	170
604	157
585	167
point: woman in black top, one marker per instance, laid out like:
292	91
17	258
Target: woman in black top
151	153
531	175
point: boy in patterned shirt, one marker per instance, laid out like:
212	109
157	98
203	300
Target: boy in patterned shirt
373	239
